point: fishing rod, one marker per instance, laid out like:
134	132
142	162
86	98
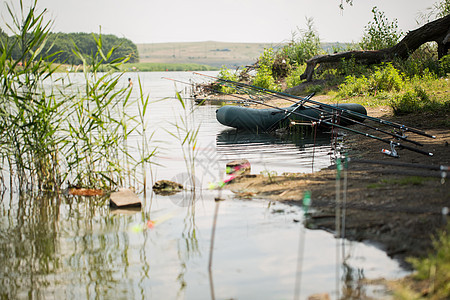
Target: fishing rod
318	108
319	121
442	168
299	104
402	127
331	114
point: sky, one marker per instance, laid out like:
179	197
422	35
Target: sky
246	21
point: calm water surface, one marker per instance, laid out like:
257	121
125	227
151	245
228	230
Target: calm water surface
62	247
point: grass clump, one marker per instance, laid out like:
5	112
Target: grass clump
434	270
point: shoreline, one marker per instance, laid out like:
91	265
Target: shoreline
397	208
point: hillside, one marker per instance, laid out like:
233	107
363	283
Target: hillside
216	54
211	53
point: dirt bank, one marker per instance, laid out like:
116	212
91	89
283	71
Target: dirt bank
399	208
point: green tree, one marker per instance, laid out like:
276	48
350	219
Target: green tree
380	33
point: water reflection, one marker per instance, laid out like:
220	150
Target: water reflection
60	246
68	247
304	151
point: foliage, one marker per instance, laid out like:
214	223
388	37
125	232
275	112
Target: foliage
61	47
264	77
61	132
186	133
227	74
420	62
353	86
438	10
29	116
384	79
299	50
274	66
445	64
435	269
293	78
417	100
287	62
380	33
351	67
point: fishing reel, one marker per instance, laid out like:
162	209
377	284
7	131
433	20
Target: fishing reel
391	152
401	133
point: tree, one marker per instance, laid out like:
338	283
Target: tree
438	31
380	33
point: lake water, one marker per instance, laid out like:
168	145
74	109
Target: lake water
65	247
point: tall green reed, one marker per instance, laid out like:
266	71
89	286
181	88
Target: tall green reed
186	132
76	134
29	115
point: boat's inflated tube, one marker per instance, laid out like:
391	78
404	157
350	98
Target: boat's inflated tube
264	119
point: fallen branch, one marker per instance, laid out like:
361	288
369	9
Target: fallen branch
438	31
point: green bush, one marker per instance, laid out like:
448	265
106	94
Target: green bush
380	33
445	64
421	61
227	74
386	78
293	78
264	77
415	100
435	269
299	50
353	86
277	65
351	67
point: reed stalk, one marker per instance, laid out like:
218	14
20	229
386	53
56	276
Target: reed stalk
73	134
186	132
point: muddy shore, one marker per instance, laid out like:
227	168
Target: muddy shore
395	207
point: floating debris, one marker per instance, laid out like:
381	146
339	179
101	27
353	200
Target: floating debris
167	187
85	192
124	198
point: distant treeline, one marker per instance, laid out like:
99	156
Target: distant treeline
64	44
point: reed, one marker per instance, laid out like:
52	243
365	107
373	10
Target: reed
186	133
65	132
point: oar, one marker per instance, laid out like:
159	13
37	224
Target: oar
319	121
381	121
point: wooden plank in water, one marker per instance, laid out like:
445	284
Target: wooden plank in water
124	198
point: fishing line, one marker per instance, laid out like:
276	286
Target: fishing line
402	127
327	113
319	121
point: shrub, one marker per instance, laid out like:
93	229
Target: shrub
412	101
351	67
264	79
435	269
445	64
306	46
386	78
264	76
353	86
227	74
380	33
293	79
